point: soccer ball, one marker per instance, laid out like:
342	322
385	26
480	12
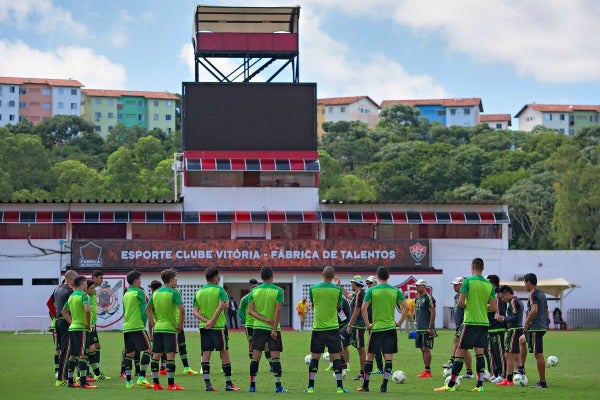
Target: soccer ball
447	372
326	356
307	358
552	361
457	382
520	380
344	373
399	377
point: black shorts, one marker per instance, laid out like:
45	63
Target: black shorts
385	342
249	333
345	337
320	339
535	341
79	342
164	342
358	337
262	337
136	341
473	336
423	340
214	340
511	341
94	336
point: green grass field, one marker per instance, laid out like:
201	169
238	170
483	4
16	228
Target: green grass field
28	371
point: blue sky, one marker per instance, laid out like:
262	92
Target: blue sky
506	52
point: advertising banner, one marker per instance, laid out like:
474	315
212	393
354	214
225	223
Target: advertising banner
155	255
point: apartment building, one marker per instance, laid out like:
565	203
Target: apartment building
567	119
355	108
496	121
37	99
148	110
448	112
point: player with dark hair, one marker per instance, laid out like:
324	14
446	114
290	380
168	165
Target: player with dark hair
245	317
210	302
383	299
265	305
60	296
356	324
166	316
134	329
77	313
325	299
514	324
477	297
534	328
425	317
94	355
496	333
459	314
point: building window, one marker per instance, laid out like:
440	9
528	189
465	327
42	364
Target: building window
110	102
168	130
73	106
168	117
23	104
141	103
548	117
155	103
155	117
250	231
12	89
294	231
157	231
97	115
119	105
562	130
46	92
323	111
97	101
498	125
452	111
11	103
141	117
74	92
168	103
11	117
343	109
98	128
561	117
0	103
46	106
441	113
111	115
330	110
99	231
0	117
60	90
11	282
571	132
61	105
22	90
119	116
36	231
208	231
110	128
466	111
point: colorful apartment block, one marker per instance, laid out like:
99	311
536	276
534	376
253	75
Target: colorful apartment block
448	112
37	99
148	110
567	119
355	108
496	121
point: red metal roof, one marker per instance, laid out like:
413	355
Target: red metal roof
458	102
7	80
136	93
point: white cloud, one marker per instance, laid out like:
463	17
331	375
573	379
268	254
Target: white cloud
41	16
339	72
81	63
118	39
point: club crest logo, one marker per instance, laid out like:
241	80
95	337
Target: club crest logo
90	256
409	288
108	299
418	252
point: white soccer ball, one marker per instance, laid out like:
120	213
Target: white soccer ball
520	380
326	356
308	358
344	373
398	377
552	361
457	382
447	372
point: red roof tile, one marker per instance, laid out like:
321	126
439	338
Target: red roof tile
137	93
459	102
336	101
495	118
8	80
565	108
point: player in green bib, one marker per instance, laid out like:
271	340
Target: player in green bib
383	299
77	313
265	305
94	356
166	316
325	298
210	302
477	297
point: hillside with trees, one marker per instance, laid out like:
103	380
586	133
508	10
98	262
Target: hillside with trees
550	181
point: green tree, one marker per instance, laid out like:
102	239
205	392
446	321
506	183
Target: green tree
148	152
75	181
122	177
60	129
330	174
351	187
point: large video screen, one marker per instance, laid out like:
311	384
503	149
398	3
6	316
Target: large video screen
248	116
